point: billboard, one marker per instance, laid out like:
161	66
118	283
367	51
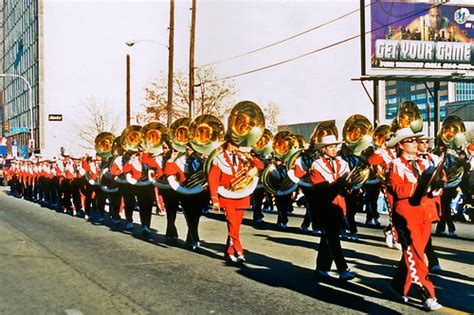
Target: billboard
420	37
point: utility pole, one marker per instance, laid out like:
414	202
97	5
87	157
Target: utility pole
170	64
191	58
127	108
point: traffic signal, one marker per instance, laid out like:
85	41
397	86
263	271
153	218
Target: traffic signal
7	127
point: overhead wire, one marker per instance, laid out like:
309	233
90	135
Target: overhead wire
287	38
319	49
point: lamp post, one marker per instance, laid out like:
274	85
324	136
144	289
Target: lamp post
30	97
131	43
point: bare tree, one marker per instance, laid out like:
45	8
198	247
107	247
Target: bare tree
211	96
271	112
97	119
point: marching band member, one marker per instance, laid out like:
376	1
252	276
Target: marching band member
144	193
432	160
329	174
412	221
125	189
223	170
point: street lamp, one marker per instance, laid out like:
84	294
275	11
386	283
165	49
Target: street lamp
30	97
131	43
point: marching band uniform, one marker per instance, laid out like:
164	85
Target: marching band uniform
225	165
432	160
282	202
125	189
257	197
183	168
327	176
144	193
413	222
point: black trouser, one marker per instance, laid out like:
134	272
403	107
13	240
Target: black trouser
171	201
283	204
330	245
47	190
353	205
89	198
431	254
446	218
114	208
258	203
66	189
192	212
311	215
77	185
127	192
268	201
55	192
145	197
372	193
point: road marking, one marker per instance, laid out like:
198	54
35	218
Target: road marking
73	312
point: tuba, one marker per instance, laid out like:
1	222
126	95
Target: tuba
264	145
104	142
357	136
275	176
179	133
204	134
131	138
246	125
106	181
357	133
409	115
154	135
452	135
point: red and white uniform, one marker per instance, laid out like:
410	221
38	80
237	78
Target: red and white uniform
222	172
326	170
413	222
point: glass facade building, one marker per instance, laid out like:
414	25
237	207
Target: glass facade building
398	91
21	58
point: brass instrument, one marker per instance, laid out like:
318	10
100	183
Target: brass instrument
380	135
246	125
453	132
285	143
264	145
205	133
409	115
179	133
275	177
453	135
322	129
103	144
357	133
154	135
132	138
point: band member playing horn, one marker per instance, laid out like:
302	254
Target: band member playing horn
233	174
412	217
328	175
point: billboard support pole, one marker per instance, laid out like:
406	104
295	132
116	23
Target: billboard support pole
376	103
362	38
428	107
436	107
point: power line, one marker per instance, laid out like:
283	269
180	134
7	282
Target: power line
288	38
319	49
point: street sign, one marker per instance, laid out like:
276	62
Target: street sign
55	117
19	129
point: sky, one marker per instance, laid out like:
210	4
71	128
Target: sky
85	47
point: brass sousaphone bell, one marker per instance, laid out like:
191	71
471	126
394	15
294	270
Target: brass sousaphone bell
275	177
205	134
264	145
104	143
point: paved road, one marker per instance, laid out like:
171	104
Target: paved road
56	264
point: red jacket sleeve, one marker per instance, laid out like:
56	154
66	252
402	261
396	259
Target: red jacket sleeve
172	169
214	179
400	188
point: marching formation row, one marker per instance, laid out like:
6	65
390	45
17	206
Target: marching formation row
195	163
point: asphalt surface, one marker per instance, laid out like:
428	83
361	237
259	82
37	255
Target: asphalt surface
53	263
